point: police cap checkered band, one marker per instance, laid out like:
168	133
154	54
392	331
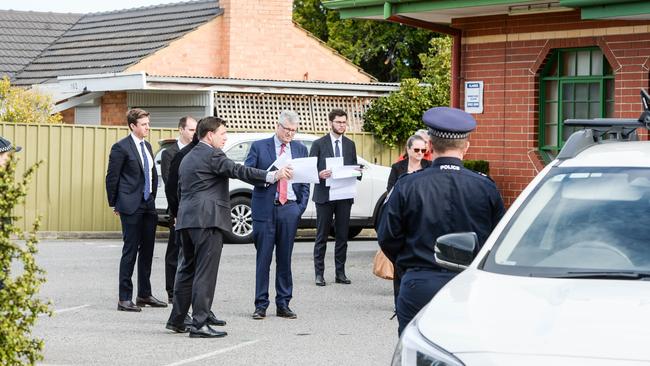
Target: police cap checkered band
5	145
448	135
449	123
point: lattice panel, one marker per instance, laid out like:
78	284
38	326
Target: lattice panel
355	108
259	112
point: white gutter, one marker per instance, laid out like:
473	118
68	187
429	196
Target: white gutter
75	101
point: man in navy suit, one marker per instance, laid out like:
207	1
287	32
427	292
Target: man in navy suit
276	212
131	183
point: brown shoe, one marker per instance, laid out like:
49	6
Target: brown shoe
127	305
151	301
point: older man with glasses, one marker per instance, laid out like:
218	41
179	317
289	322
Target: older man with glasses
276	212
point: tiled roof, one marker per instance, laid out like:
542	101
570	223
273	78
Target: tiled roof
25	34
112	41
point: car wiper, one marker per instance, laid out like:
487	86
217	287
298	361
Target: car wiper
613	275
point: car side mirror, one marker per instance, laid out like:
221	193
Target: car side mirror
456	251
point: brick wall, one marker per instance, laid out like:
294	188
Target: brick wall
508	54
114	109
68	115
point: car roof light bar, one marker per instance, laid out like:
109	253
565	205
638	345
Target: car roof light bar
599	129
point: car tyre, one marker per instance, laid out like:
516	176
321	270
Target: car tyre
242	221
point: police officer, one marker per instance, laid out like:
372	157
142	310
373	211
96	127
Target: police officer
442	199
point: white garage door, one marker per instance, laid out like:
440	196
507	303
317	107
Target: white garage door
167	117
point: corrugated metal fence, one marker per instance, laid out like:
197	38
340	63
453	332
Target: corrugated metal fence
68	191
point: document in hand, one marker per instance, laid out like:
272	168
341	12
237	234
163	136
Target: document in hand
304	170
344	188
279	163
346	171
331	163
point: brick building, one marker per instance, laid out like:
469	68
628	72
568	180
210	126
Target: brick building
540	62
98	65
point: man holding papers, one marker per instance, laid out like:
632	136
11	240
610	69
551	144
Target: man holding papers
276	211
334	193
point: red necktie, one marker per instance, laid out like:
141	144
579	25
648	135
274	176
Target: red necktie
282	184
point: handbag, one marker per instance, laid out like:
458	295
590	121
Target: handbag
382	267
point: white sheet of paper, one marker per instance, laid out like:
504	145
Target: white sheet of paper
331	163
341	189
282	161
346	171
304	170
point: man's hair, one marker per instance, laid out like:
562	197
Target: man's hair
289	116
441	145
209	124
133	115
423	132
183	121
336	113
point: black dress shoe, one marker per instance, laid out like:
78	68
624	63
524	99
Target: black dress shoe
342	279
127	305
151	301
286	313
184	328
212	320
320	281
206	332
259	313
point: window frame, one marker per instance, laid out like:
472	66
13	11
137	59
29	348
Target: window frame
549	151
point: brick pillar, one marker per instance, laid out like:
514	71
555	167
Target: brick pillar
114	109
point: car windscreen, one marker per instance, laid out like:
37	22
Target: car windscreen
578	221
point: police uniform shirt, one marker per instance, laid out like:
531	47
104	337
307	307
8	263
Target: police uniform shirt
442	199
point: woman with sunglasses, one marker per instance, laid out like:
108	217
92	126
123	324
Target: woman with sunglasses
416	148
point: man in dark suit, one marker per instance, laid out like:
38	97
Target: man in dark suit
334	144
186	130
131	183
203	215
276	212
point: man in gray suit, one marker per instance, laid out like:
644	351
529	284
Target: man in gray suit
203	215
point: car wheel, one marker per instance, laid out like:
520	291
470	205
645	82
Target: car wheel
242	221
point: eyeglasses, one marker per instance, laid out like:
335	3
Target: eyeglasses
419	150
288	130
340	122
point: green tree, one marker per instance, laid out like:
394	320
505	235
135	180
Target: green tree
392	119
388	51
25	106
19	304
436	67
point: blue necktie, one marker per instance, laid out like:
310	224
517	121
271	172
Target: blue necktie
337	151
147	185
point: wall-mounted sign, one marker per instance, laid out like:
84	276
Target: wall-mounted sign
474	97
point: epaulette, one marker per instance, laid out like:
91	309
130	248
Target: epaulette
481	174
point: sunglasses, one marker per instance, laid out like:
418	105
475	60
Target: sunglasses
419	150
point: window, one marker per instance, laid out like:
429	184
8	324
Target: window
576	83
238	152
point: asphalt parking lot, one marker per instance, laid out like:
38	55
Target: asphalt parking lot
337	324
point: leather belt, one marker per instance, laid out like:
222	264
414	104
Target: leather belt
277	202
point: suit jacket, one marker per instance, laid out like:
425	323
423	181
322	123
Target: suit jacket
125	176
166	160
400	168
322	148
203	186
171	186
261	156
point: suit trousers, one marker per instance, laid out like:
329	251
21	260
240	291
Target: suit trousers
417	289
276	232
139	234
324	211
196	277
171	258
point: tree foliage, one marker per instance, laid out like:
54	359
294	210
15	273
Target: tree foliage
388	51
19	304
25	106
436	67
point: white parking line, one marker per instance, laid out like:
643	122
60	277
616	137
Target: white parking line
68	309
212	354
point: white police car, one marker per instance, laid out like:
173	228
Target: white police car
371	191
564	279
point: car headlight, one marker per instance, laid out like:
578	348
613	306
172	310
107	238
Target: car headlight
415	350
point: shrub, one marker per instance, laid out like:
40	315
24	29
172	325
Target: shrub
19	304
477	165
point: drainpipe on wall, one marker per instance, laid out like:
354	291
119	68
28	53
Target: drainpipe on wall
455	48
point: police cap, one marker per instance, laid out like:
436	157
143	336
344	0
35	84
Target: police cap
5	145
449	123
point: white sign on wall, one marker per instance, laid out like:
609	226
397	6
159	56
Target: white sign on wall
474	97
